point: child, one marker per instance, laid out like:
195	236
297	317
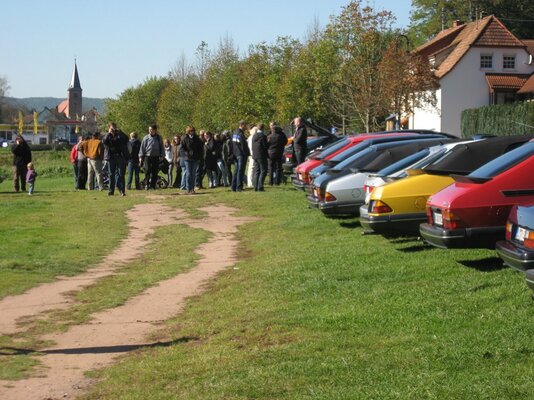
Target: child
30	178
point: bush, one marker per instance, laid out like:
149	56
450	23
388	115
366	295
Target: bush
499	120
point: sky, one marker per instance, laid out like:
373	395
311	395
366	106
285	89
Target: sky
117	44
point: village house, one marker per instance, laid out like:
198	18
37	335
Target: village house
62	123
477	64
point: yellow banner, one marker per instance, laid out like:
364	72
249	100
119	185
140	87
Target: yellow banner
35	126
21	123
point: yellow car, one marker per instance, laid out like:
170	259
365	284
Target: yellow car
399	207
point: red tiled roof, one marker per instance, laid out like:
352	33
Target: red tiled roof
506	81
497	35
449	46
530	45
528	86
62	107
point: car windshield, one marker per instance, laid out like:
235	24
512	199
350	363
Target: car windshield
405	162
332	148
357	160
504	162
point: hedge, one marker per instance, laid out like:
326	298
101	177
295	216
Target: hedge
499	120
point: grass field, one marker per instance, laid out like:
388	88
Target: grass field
314	309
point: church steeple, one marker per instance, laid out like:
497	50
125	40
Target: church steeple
75	80
74	95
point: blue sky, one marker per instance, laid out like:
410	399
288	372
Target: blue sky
118	43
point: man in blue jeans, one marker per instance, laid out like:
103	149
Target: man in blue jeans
116	154
239	152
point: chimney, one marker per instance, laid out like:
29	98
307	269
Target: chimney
457	23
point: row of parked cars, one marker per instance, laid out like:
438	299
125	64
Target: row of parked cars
452	192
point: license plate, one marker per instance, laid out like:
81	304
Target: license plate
521	234
438	219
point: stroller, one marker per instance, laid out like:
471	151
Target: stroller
161	182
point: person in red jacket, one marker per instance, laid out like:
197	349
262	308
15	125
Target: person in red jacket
74	161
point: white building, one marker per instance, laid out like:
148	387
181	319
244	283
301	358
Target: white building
477	64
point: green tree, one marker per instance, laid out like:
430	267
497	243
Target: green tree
431	16
136	107
362	36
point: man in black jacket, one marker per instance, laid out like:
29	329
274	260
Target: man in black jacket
116	154
259	156
191	150
277	141
239	152
300	138
22	155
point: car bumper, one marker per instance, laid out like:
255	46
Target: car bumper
484	237
529	277
515	257
335	208
313	202
298	184
393	224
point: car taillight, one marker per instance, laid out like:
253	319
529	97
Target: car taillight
379	207
509	230
368	188
529	240
450	219
305	177
329	197
429	215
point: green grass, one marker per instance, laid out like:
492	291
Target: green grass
314	309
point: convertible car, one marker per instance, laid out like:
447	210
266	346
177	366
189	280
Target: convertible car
472	212
398	208
517	250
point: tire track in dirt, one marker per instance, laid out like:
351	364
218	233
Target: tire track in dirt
116	331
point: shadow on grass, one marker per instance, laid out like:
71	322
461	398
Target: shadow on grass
489	264
11	351
350	225
416	248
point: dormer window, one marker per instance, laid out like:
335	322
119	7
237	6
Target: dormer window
486	61
508	62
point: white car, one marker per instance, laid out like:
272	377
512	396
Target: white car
345	195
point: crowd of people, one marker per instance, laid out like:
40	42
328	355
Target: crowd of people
102	162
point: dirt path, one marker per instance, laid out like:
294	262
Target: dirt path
122	329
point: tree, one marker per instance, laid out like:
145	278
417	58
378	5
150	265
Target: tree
410	81
431	16
135	109
362	37
4	88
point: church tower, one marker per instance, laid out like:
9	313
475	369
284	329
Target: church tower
74	97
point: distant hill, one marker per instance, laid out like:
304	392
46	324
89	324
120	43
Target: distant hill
38	103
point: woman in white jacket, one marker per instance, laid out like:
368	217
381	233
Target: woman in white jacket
250	163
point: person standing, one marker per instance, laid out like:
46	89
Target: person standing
277	142
300	139
167	150
116	154
22	155
222	177
176	161
94	151
74	160
82	166
239	152
150	154
191	150
226	156
134	145
210	160
259	157
31	175
250	164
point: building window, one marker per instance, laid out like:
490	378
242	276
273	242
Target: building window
486	61
508	62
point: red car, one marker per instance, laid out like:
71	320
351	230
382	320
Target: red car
472	212
302	178
517	250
